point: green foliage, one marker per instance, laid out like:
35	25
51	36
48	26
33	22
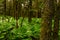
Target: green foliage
26	32
22	33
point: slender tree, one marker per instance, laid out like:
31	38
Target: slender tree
4	7
17	10
35	8
30	11
15	5
4	10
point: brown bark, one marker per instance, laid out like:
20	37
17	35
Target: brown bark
56	21
17	11
30	11
56	28
46	26
15	5
4	7
4	10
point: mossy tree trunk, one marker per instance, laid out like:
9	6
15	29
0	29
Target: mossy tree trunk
56	20
46	25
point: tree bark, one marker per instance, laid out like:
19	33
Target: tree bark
30	11
15	5
46	25
56	21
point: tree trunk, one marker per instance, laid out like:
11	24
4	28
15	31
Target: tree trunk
4	11
56	27
30	11
46	26
56	21
16	11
